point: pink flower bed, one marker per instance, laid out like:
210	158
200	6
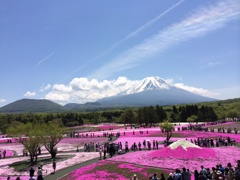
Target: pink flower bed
189	153
164	158
100	175
14	177
223	155
87	173
9	153
136	133
70	144
95	171
15	148
128	132
47	168
5	140
82	141
196	134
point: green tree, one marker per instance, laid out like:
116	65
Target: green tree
52	134
167	127
161	114
29	135
232	114
192	118
128	116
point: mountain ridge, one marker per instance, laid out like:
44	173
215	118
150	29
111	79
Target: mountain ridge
32	105
149	83
149	91
154	91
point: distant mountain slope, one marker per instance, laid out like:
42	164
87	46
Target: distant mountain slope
75	106
150	91
32	105
153	91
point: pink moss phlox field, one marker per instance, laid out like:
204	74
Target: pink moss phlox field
86	173
82	141
180	152
5	140
196	134
224	155
15	177
9	153
136	133
83	170
15	148
100	175
133	169
76	159
89	172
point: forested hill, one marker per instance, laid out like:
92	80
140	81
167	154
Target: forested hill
32	105
222	107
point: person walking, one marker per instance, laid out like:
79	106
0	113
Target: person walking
162	177
100	153
134	177
4	154
104	152
39	173
54	165
31	172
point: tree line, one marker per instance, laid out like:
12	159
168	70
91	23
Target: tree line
142	115
157	114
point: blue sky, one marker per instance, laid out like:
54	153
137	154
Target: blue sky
80	51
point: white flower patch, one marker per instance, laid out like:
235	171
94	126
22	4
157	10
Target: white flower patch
184	143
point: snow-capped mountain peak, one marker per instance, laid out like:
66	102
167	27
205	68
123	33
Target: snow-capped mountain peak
149	83
153	91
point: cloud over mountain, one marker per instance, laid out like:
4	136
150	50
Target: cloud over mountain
30	94
82	90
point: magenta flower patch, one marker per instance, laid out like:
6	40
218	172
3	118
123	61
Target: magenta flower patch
181	153
108	170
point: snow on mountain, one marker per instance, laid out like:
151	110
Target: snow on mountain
149	83
153	91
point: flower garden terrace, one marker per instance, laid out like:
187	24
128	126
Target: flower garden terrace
67	149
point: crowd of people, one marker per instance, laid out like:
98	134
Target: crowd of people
215	173
210	142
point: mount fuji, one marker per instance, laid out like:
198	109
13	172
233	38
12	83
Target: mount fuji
153	91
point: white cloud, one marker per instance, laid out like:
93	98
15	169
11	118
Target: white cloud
58	96
199	91
129	36
83	90
2	100
30	94
62	88
203	21
45	88
228	92
44	59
